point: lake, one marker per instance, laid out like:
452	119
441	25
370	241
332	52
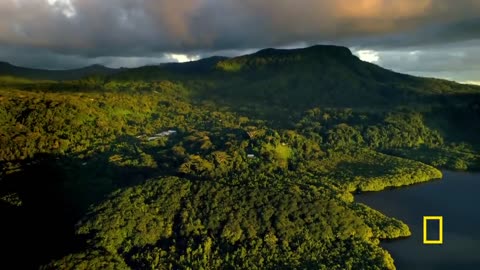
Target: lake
457	198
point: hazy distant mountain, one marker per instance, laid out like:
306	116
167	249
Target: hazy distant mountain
7	69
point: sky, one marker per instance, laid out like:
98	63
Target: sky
433	38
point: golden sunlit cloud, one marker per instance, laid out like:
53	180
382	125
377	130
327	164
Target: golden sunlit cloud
381	9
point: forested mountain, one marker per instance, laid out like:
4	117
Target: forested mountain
276	84
240	163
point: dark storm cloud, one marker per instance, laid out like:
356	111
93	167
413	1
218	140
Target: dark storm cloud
72	32
432	35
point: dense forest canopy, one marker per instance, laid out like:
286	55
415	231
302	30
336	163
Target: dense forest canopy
238	163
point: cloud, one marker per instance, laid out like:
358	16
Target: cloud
460	62
129	27
368	55
181	58
64	6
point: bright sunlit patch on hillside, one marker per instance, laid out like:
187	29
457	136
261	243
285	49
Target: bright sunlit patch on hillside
64	6
368	56
472	82
181	58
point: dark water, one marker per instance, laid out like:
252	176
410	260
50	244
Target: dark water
457	198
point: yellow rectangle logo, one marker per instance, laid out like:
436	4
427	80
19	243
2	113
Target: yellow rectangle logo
440	230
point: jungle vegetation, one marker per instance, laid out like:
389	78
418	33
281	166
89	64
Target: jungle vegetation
242	163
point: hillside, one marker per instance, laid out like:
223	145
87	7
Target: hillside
239	163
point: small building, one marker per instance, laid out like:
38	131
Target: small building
162	134
250	156
166	133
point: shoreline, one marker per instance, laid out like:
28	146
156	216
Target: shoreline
381	241
400	207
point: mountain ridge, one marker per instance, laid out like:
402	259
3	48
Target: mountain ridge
323	69
316	55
